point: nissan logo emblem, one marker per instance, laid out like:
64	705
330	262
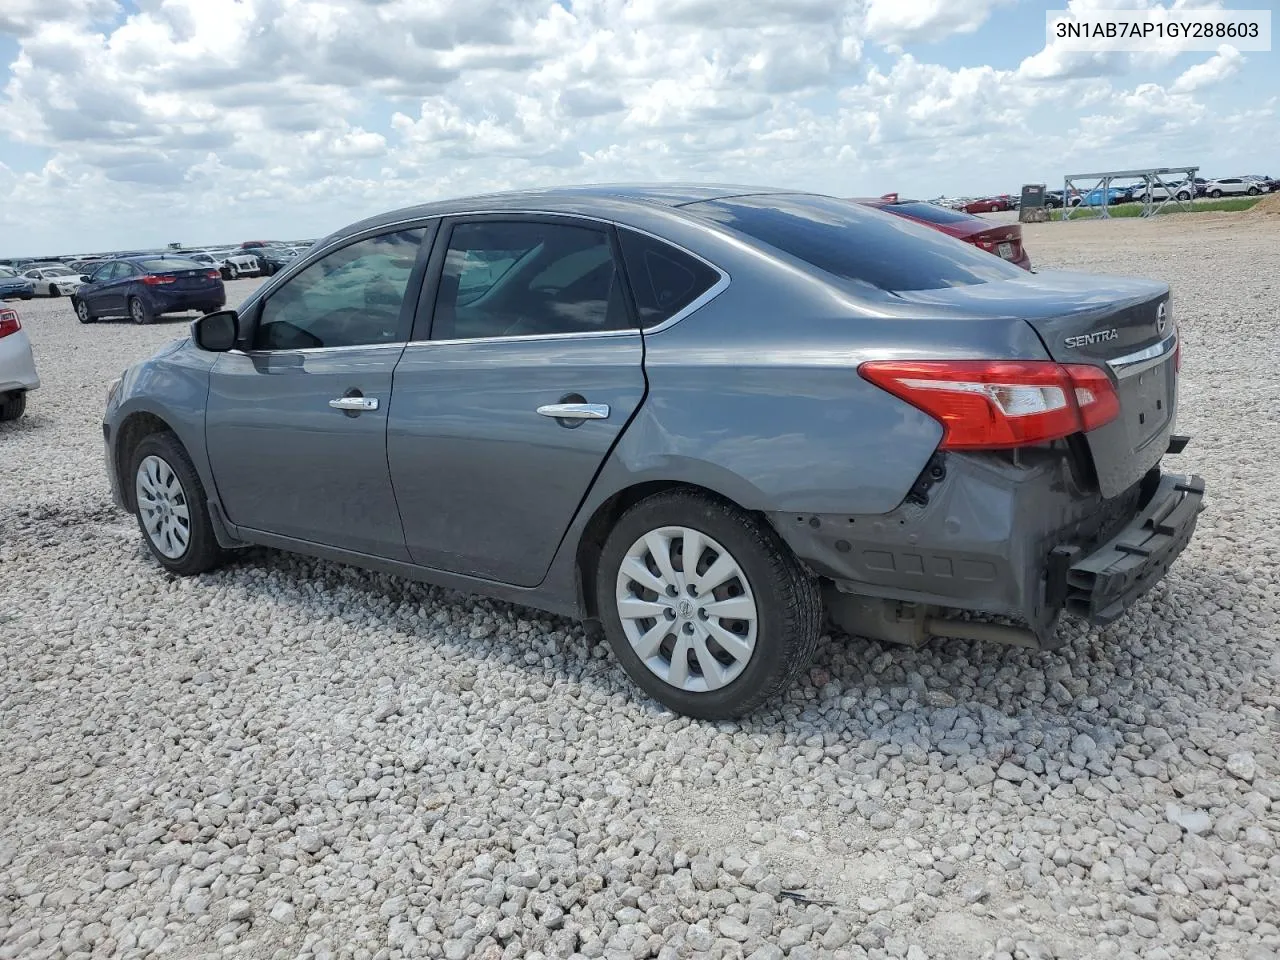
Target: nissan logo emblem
1162	318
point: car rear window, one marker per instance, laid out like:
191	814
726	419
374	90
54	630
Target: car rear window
928	211
664	280
854	242
165	264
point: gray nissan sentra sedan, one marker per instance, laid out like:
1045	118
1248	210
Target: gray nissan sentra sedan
703	417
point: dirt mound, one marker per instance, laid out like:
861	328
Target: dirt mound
1268	204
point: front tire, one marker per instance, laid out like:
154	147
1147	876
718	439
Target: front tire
13	405
1254	191
83	313
712	636
1216	194
170	505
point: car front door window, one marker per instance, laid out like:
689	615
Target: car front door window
355	296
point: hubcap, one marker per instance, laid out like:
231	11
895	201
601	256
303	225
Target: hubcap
82	308
162	505
687	609
136	310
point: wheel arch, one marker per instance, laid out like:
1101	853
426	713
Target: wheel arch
135	428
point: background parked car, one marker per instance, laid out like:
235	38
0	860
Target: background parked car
1003	239
274	258
234	264
17	366
1097	197
1179	191
13	285
988	205
1232	186
53	281
144	288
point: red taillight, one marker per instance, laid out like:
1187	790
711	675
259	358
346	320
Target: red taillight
9	322
997	404
213	275
156	279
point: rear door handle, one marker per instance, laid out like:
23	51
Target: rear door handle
575	411
357	404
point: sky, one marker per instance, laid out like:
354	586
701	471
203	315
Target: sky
130	123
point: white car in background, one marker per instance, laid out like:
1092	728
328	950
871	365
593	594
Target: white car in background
1232	186
1179	191
17	366
53	281
233	264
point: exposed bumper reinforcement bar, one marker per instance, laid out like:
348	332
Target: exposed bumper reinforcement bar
1102	585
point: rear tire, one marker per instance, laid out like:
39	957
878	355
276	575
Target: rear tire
13	405
83	313
728	649
138	311
165	487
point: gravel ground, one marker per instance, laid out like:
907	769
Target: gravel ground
293	759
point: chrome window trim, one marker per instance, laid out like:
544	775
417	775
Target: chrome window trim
291	351
1143	359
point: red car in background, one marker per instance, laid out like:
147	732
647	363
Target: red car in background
989	204
1002	239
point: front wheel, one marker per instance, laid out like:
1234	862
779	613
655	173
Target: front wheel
1184	196
83	313
704	605
1254	191
1215	194
169	502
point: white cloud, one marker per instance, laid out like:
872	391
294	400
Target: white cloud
187	118
915	21
1222	65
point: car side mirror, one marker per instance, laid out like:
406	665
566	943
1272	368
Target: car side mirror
85	278
216	331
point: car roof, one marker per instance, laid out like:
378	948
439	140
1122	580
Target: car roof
587	200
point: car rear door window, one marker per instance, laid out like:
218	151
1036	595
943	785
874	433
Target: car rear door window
528	278
853	242
664	280
354	296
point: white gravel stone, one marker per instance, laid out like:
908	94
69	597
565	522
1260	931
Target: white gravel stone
290	759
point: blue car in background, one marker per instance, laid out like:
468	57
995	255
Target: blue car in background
145	287
14	285
1098	197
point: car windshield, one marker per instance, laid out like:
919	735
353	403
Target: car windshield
854	242
58	272
928	211
168	264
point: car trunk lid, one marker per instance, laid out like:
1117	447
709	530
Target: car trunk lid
1004	240
1124	326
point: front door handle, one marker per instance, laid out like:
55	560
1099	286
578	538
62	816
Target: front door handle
357	404
575	411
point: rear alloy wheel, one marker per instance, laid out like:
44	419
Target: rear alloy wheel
169	502
83	313
705	607
13	405
138	312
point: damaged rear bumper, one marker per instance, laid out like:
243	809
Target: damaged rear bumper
1016	537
